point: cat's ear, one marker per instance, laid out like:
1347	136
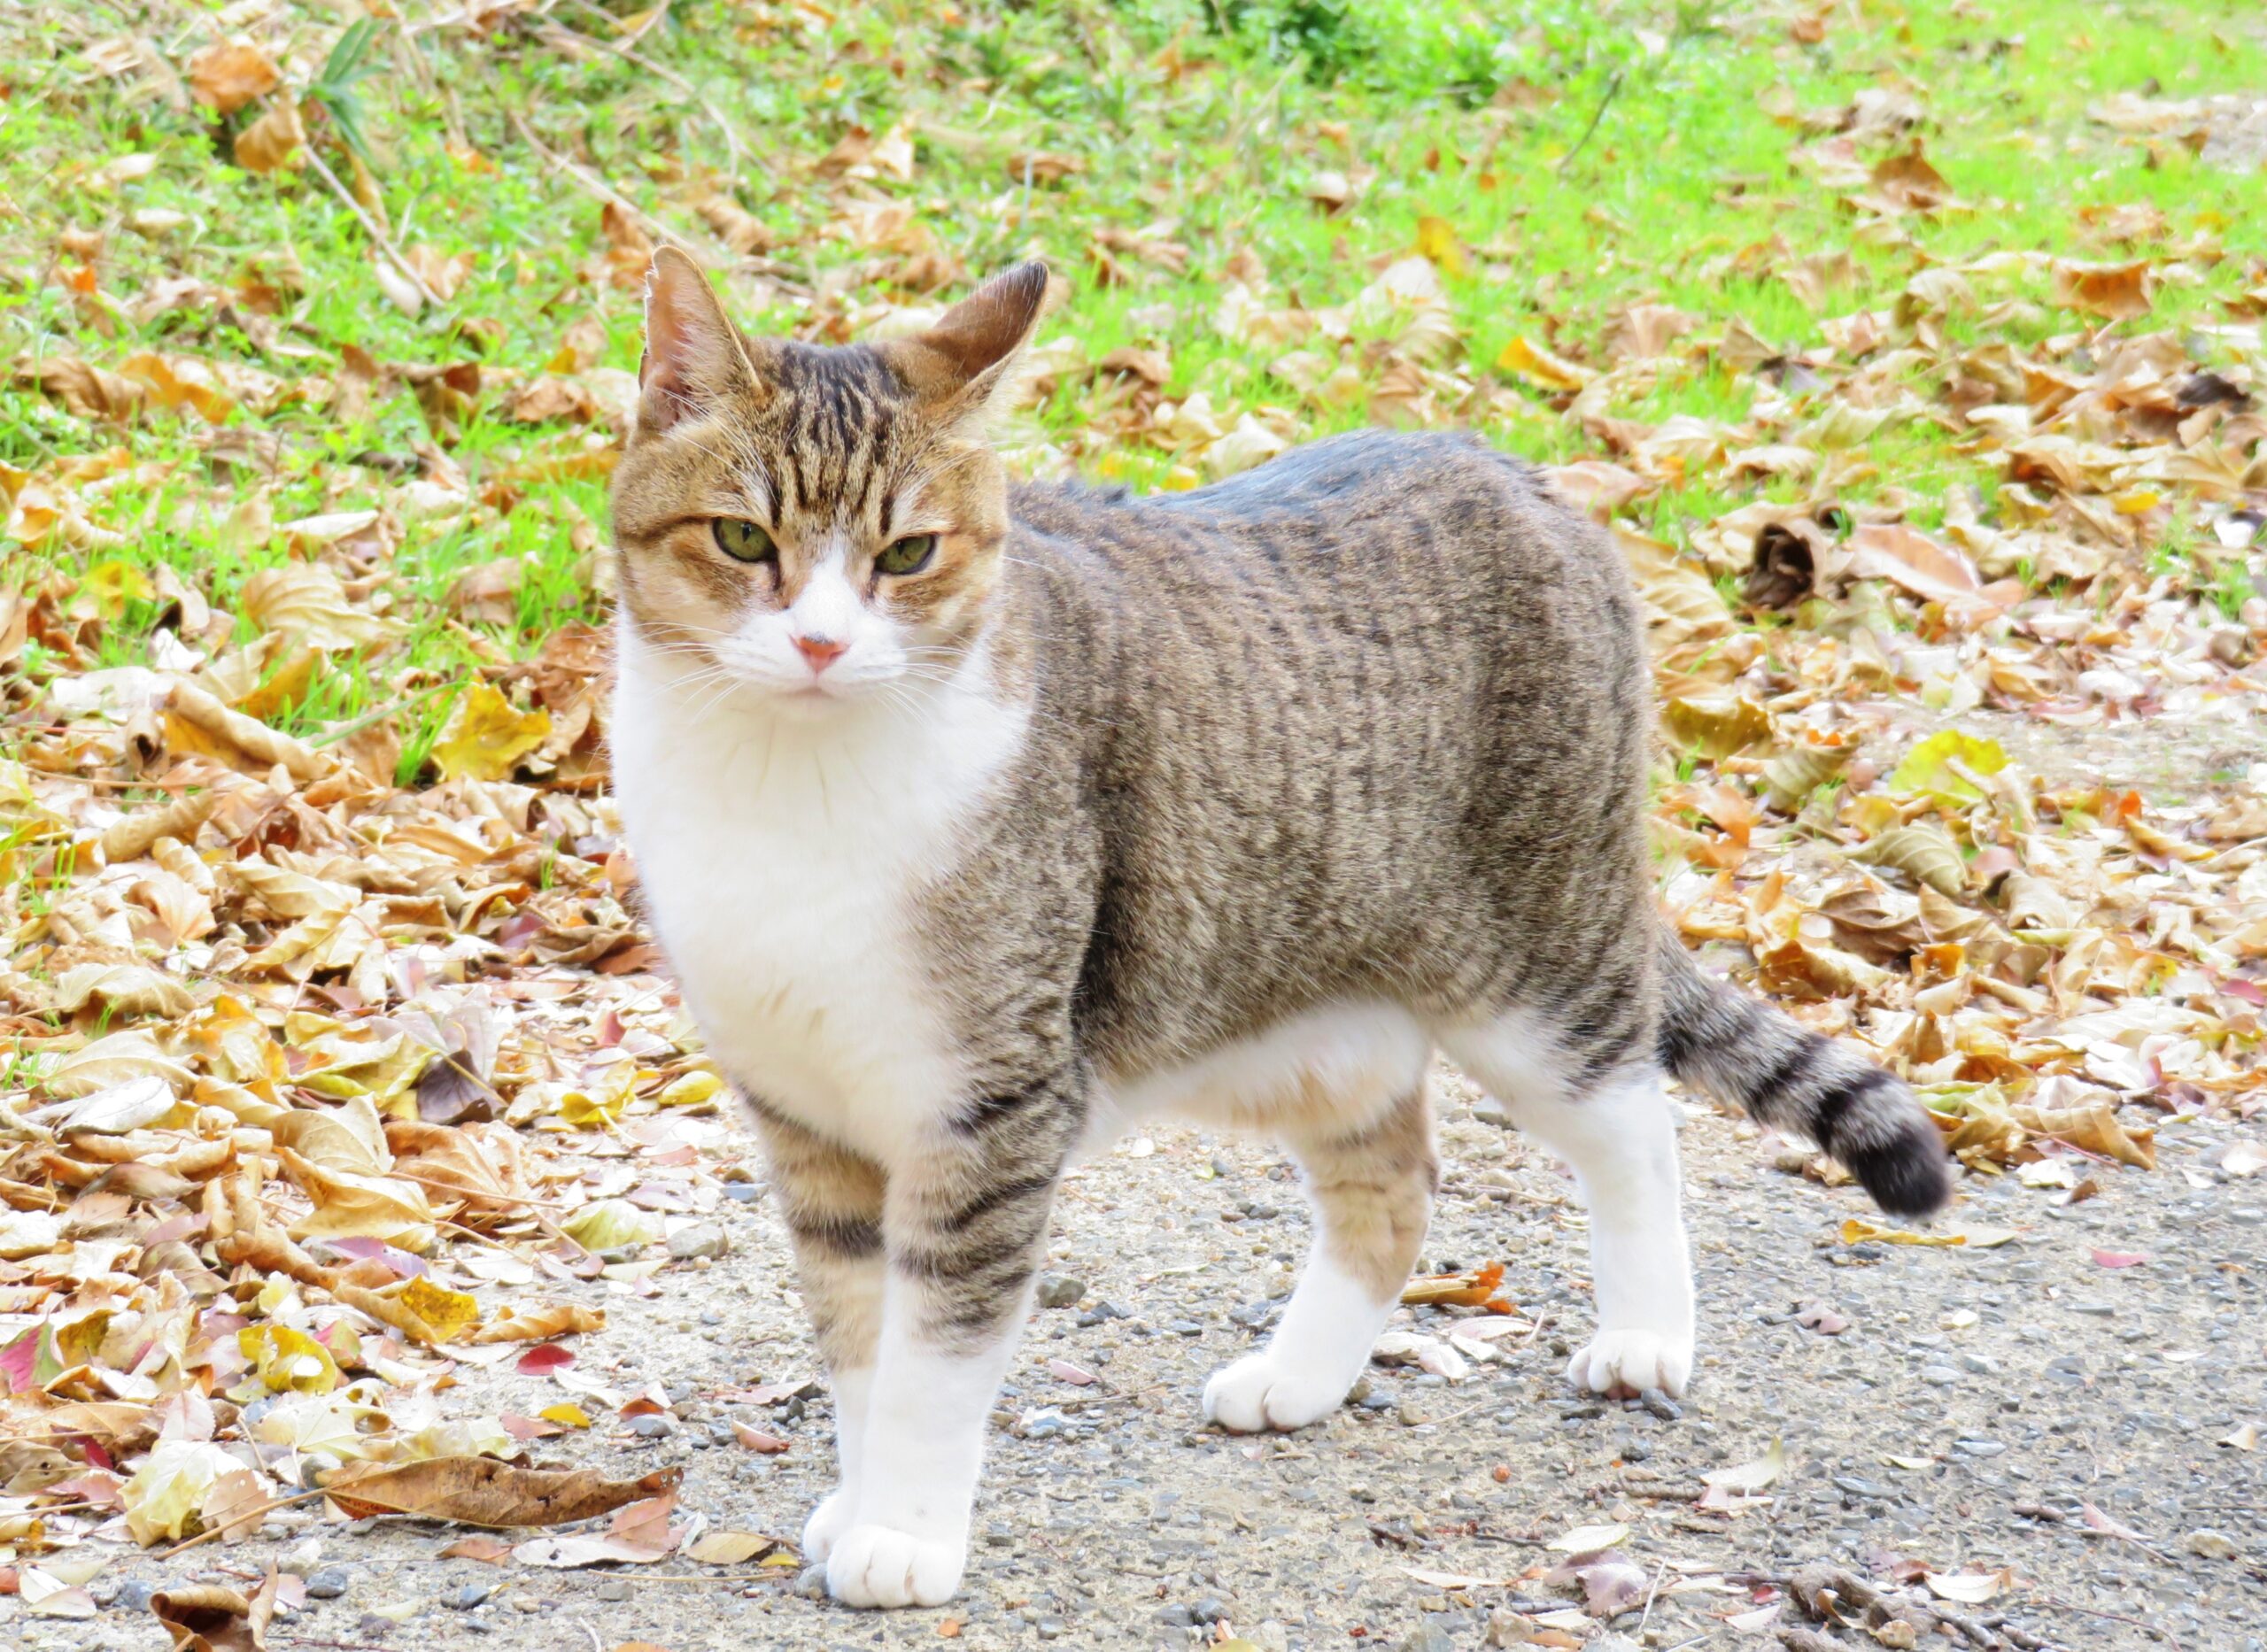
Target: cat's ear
694	354
971	353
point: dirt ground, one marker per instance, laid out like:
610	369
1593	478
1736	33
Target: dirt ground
1979	1403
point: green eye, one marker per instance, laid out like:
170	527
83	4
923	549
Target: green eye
908	555
743	542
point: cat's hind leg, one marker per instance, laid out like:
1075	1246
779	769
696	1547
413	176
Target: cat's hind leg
1615	1133
1372	1187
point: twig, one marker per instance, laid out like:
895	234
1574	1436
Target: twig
238	1519
2117	1617
592	184
1613	87
652	21
1651	1595
348	730
669	76
369	225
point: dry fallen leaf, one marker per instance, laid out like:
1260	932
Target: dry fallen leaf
479	1490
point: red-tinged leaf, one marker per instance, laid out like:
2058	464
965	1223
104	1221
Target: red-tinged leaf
401	1263
2119	1258
543	1359
17	1361
756	1440
1076	1375
2097	1521
529	1427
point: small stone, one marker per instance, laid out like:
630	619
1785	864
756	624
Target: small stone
652	1426
471	1595
134	1597
710	1316
703	1239
810	1583
1979	1365
1427	1638
2207	1544
1209	1610
1940	1375
1488	1110
1176	1615
1049	1628
1413	1415
1661	1406
1060	1290
328	1583
1185	1328
743	1192
302	1560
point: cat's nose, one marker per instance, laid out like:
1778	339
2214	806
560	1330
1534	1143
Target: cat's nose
820	652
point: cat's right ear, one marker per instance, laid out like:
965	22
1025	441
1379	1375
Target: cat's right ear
694	354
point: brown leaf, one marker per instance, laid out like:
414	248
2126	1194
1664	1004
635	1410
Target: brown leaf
542	1323
208	1618
268	142
2118	292
480	1491
229	75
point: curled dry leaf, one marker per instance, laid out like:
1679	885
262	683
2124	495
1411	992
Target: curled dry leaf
480	1491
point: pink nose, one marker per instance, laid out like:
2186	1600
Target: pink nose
820	651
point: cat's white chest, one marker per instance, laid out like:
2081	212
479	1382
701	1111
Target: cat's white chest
782	864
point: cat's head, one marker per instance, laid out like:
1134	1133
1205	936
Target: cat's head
810	524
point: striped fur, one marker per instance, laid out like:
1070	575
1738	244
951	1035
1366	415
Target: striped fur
1775	1070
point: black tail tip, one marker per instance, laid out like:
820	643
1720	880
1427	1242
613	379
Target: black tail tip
1912	1176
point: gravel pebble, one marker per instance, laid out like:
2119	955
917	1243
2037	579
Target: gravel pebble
327	1583
1060	1290
703	1238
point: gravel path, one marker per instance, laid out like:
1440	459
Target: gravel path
1978	1404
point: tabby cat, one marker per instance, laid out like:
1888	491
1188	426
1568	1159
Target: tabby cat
979	820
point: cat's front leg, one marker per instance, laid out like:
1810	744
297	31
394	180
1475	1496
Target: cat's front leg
830	1199
964	1222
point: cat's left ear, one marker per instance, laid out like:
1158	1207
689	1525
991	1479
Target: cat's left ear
970	355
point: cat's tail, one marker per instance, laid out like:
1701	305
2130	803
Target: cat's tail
1775	1070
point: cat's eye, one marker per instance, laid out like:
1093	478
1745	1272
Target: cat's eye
908	555
743	541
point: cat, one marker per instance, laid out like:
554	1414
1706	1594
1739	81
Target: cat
978	820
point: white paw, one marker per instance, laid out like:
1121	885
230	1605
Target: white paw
873	1566
1629	1361
1256	1393
829	1521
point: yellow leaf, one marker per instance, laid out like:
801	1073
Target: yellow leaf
611	1225
694	1089
288	1360
450	1313
1854	1231
1538	365
565	1414
1936	766
110	585
487	736
1436	240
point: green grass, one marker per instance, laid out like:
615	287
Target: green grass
1589	156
